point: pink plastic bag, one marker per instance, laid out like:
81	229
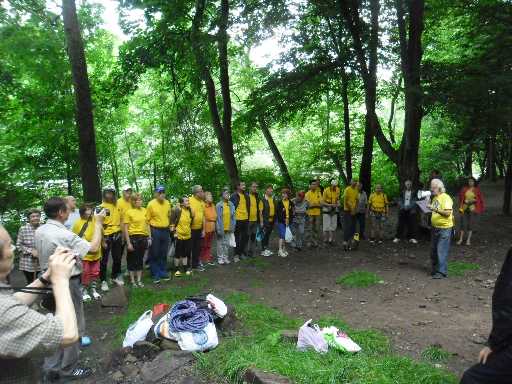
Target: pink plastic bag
310	336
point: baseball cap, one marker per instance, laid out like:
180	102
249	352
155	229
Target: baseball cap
160	189
127	188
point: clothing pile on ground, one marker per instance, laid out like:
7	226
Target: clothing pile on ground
190	323
321	339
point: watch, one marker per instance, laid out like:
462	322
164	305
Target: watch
44	281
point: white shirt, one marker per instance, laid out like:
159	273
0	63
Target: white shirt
73	217
407	198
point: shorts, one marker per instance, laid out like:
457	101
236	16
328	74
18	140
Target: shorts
281	229
90	271
330	222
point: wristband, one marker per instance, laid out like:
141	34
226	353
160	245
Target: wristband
44	281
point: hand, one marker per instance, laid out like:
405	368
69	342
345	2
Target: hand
130	247
103	244
150	241
34	253
61	264
100	217
202	234
484	355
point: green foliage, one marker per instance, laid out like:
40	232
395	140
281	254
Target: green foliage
459	268
358	279
436	354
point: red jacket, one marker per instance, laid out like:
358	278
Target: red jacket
479	205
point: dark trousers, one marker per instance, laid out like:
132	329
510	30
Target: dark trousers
161	238
497	369
30	276
360	221
241	236
407	224
267	231
196	247
349	226
134	259
183	250
114	246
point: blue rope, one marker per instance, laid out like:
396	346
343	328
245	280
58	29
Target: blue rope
184	316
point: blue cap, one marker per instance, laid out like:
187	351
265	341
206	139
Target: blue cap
160	189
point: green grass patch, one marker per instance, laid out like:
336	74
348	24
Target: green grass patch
459	268
436	354
358	279
256	262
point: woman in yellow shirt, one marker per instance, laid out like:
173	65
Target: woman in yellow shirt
84	227
378	212
284	215
181	225
136	234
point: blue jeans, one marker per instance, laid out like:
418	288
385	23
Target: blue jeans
159	248
441	240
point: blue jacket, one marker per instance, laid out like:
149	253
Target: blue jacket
220	217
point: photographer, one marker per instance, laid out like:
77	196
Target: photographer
48	237
26	332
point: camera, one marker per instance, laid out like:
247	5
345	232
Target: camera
424	194
99	208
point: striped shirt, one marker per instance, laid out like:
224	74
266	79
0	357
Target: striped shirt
25	244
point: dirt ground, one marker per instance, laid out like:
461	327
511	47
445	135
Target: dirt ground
411	308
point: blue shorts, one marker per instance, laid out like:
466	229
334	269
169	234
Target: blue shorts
281	229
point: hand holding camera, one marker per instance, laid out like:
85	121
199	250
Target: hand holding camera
60	265
100	213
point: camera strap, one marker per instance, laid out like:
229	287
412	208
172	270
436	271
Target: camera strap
84	228
32	290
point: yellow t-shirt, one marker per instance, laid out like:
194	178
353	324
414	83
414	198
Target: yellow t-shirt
271	208
112	223
253	214
241	211
469	196
157	214
123	206
313	198
286	205
331	195
88	234
226	217
444	202
137	222
183	229
350	198
378	202
197	207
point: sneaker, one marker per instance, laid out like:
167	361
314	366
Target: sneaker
140	284
282	253
165	277
78	374
438	276
380	242
134	285
396	240
372	241
221	262
188	273
286	253
118	280
104	286
156	281
264	253
236	259
177	274
85	296
95	294
243	257
227	261
211	263
201	268
413	241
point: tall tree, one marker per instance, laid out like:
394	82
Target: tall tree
83	103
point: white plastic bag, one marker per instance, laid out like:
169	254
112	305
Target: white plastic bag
339	340
138	330
288	237
232	241
217	305
311	337
198	341
172	250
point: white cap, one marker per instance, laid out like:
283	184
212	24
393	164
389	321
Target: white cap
334	183
127	187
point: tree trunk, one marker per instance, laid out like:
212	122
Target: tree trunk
468	161
222	128
508	175
346	126
132	166
275	152
394	98
83	113
491	159
69	179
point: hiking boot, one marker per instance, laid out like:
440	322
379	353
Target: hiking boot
85	296
104	286
95	294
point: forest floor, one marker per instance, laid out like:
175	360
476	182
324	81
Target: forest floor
413	310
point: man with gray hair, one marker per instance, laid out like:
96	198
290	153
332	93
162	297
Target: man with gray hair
198	222
74	214
442	227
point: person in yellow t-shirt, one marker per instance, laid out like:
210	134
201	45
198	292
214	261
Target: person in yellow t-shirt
197	206
124	203
254	202
378	212
314	199
182	218
210	218
267	215
157	215
84	227
225	227
442	228
242	203
284	216
112	240
330	210
136	234
350	204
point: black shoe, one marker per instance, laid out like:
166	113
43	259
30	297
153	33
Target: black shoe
438	276
78	374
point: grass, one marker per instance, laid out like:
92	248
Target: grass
436	354
259	344
358	279
459	268
256	262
